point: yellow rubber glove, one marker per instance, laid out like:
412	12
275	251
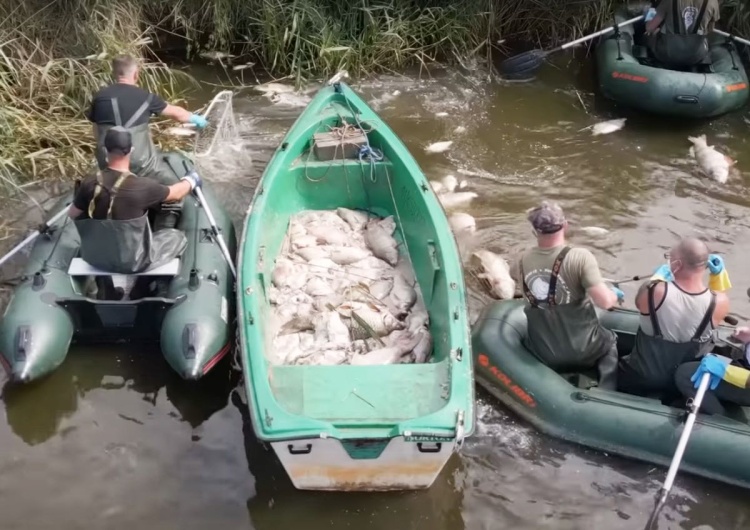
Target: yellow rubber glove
719	279
737	376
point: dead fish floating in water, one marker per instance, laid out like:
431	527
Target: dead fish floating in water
439	147
242	66
215	55
441	114
594	231
607	127
462	223
497	274
274	88
459	198
712	163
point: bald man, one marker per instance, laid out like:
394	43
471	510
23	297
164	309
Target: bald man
678	315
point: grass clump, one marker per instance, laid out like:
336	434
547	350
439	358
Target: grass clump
53	58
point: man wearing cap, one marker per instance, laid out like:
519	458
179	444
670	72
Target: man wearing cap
126	105
111	208
563	327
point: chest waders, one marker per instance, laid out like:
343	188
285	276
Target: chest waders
145	160
124	246
565	337
653	362
681	49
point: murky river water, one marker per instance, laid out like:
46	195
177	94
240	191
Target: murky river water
115	440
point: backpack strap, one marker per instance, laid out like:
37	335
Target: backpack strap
676	17
555	273
116	112
699	20
652	308
526	292
706	318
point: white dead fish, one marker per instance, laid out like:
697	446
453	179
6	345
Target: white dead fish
375	357
274	88
460	129
459	198
311	253
594	230
607	127
462	223
380	242
462	184
450	183
329	235
215	55
396	93
381	289
318	287
423	348
288	274
712	163
338	333
402	296
294	318
242	66
437	187
348	255
304	241
380	320
326	357
418	319
441	114
179	131
356	220
439	147
497	273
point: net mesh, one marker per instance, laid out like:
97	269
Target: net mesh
221	129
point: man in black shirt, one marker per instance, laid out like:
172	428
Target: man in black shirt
125	104
110	210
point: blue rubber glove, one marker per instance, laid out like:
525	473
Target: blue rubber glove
711	364
198	120
663	272
194	179
619	293
715	264
651	13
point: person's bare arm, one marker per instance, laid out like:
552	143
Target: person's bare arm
74	212
653	24
641	298
176	113
178	191
721	310
602	296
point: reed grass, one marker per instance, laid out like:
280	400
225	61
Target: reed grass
48	74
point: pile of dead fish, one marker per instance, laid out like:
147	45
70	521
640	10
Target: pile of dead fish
343	294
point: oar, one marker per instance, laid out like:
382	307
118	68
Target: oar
31	237
681	445
524	65
214	227
738	39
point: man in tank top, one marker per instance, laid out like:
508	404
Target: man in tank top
676	324
560	283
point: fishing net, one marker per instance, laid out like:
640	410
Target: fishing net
221	129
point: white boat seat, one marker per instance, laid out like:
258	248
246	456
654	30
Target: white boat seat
79	267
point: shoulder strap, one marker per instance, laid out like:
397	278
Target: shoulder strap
676	17
116	111
555	273
706	318
652	308
140	111
100	185
526	292
699	20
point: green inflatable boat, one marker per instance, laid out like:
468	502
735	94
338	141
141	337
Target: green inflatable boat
339	426
570	407
628	75
50	308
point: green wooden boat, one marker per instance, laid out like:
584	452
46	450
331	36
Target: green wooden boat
569	407
629	76
349	427
50	308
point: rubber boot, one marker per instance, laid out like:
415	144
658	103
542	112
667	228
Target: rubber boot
607	367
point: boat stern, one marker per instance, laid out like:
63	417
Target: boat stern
378	464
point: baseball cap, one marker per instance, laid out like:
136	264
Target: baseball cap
118	140
547	218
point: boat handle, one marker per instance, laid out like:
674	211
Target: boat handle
426	449
693	100
306	451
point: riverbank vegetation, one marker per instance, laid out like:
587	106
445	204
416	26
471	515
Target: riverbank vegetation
55	54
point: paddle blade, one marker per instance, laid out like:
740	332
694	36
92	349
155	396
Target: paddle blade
524	65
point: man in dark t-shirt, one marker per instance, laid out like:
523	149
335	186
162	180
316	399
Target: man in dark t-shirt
125	104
